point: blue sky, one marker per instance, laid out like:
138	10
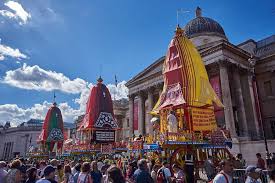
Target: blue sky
64	45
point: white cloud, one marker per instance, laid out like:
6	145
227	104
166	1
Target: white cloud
10	52
83	98
17	115
8	14
17	12
118	92
36	78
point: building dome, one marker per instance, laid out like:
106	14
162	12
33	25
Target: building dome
203	26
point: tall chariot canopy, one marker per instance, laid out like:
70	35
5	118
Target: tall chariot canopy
99	109
52	129
186	89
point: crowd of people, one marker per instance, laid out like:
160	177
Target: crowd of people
107	171
114	171
234	168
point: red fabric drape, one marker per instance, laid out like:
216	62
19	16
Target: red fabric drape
99	101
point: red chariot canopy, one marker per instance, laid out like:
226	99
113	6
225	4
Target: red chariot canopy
99	109
53	128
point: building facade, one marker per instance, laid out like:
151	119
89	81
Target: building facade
241	75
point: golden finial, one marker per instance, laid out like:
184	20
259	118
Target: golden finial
100	80
179	31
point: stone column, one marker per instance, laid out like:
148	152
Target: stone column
253	102
240	103
131	115
141	114
226	98
150	107
159	88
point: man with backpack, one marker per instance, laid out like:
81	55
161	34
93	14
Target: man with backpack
225	175
164	173
142	174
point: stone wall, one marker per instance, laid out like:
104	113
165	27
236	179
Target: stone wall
250	148
21	138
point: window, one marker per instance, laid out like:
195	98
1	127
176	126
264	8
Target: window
268	88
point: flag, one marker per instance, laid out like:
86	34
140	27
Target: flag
54	96
116	80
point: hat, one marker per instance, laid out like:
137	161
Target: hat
3	164
48	169
252	169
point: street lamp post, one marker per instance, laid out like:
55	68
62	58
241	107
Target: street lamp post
252	62
26	143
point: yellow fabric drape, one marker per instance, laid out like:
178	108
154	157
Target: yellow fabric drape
197	89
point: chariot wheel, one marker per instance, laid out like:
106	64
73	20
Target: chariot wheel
178	157
221	154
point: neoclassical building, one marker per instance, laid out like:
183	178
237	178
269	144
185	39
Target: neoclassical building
242	76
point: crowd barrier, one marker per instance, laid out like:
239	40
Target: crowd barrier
239	176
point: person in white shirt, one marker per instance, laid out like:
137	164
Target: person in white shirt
100	164
225	175
253	174
3	172
210	168
172	122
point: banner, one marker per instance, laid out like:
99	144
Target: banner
219	112
203	119
173	96
219	136
135	122
104	136
215	83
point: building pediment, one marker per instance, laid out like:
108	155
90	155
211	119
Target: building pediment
224	45
225	51
150	72
213	52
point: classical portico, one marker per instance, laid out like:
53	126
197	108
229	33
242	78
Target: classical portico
144	91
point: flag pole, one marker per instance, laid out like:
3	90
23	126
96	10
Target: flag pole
115	87
181	10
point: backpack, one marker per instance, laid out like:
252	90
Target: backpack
85	178
161	176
